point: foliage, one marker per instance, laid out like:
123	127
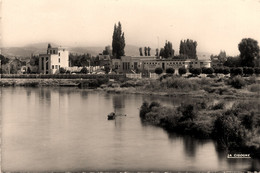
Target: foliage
4	60
248	70
218	70
249	50
207	70
118	42
232	62
188	47
82	60
141	51
34	61
145	51
237	82
84	70
257	70
167	51
107	51
170	70
158	70
195	71
182	71
226	70
228	131
236	71
62	70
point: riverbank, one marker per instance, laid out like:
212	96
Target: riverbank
226	88
236	128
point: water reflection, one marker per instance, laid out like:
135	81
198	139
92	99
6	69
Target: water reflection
66	129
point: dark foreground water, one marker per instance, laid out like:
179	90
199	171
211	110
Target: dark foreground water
65	129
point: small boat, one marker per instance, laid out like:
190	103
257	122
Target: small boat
111	116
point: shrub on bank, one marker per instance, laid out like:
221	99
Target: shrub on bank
237	82
182	71
170	71
158	70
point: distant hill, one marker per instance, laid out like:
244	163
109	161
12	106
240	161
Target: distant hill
40	48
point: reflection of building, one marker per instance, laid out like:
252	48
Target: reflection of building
55	58
149	63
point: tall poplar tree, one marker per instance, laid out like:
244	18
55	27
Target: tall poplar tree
118	42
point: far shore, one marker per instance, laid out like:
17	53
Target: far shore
138	86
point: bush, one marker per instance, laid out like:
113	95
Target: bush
228	131
226	71
237	82
188	111
218	70
195	71
62	70
236	71
209	71
182	71
254	88
248	70
220	105
158	70
257	70
170	71
84	70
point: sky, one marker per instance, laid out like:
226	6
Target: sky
215	24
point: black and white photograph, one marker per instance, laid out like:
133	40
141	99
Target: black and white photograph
129	86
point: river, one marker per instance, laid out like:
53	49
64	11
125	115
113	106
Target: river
66	129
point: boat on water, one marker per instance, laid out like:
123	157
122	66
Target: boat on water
113	115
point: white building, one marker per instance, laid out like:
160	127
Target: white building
55	58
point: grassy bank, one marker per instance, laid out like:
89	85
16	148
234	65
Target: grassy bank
231	88
236	128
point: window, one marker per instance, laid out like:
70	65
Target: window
59	60
50	51
52	66
43	63
47	63
59	53
53	51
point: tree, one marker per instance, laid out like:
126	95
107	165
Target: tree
107	51
118	42
149	49
145	51
182	71
158	70
232	62
249	51
157	52
3	59
141	51
188	47
170	70
167	51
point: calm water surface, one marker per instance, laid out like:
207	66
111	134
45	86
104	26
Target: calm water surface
65	129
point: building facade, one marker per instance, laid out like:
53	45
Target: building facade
55	58
129	64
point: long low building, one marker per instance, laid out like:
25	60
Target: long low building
128	64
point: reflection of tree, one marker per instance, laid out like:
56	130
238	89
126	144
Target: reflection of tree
190	146
84	94
118	102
